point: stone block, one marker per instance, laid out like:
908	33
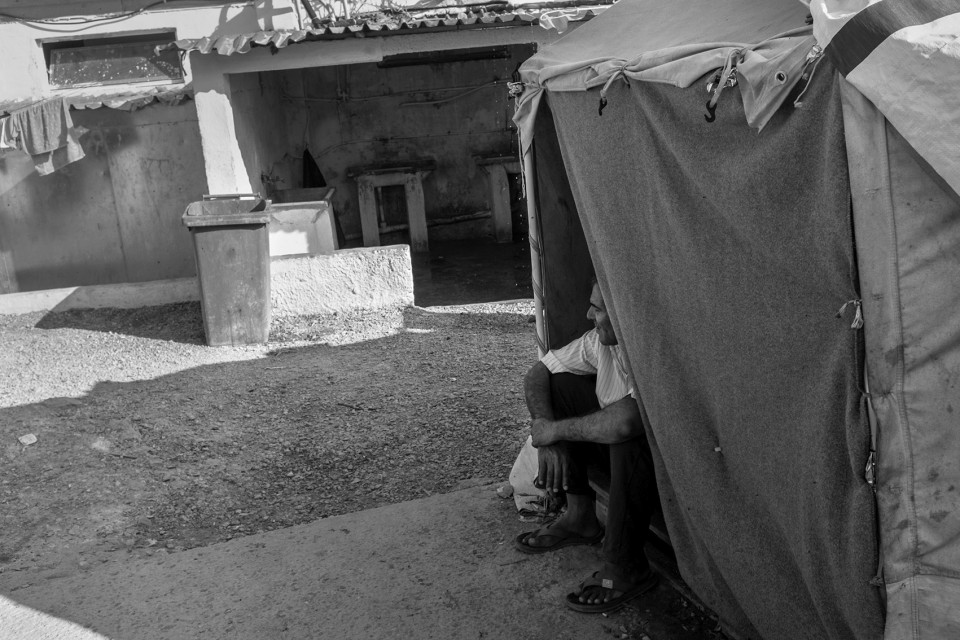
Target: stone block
346	280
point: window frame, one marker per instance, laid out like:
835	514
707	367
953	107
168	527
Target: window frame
92	42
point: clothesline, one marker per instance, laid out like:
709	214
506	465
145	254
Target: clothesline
43	130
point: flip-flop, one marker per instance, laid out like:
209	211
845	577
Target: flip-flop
628	591
520	542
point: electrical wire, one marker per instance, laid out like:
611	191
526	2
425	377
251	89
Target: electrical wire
452	98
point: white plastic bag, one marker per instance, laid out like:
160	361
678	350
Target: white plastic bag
526	496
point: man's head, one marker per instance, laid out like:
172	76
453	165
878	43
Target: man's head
600	318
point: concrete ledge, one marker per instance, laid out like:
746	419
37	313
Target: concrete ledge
122	296
346	280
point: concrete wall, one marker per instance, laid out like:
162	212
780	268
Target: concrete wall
444	113
343	281
113	216
25	74
335	131
266	128
359	114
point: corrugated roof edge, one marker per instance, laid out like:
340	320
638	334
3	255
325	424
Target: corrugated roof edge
384	25
128	98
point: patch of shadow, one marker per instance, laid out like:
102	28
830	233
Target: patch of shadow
939	516
179	322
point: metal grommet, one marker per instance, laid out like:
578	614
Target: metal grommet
781	77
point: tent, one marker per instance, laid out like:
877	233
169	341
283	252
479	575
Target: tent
771	208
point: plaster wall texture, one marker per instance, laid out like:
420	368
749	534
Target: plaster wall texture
265	130
25	73
112	217
115	296
447	114
342	281
361	115
226	158
347	280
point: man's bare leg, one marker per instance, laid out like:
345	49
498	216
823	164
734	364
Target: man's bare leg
579	520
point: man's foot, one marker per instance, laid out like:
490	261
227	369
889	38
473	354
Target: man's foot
577	525
555	536
608	590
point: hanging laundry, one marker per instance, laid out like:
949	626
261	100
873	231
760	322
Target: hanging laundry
45	131
8	139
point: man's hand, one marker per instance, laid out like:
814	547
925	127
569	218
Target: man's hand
554	465
543	432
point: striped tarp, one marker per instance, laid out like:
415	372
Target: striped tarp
904	56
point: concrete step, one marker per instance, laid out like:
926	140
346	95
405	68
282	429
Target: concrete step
659	551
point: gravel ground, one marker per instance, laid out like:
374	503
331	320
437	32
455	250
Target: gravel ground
148	442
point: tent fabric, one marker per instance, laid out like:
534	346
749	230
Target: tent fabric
904	56
672	43
724	278
558	245
907	223
900	127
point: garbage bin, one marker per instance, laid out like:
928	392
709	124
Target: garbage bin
233	267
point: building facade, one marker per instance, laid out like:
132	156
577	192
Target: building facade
179	99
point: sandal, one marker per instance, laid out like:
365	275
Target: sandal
628	591
563	537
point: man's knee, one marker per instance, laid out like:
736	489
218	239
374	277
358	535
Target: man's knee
635	452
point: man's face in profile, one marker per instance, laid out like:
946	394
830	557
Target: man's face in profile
601	319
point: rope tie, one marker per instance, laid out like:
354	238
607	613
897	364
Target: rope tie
858	313
726	77
870	473
619	73
515	89
809	68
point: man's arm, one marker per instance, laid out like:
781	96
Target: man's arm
617	422
536	387
552	460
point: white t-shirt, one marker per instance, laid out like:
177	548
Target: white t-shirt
586	356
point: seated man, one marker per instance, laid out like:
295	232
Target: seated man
584	412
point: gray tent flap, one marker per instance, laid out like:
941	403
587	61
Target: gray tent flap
908	235
726	255
567	273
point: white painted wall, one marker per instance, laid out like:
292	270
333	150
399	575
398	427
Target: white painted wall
24	69
216	78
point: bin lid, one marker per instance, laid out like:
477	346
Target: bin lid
226	211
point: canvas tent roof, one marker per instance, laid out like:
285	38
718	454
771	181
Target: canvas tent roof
903	56
725	253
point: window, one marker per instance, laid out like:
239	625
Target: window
84	62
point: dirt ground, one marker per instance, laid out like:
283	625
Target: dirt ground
313	425
149	442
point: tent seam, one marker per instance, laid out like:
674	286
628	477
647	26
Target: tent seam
901	366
